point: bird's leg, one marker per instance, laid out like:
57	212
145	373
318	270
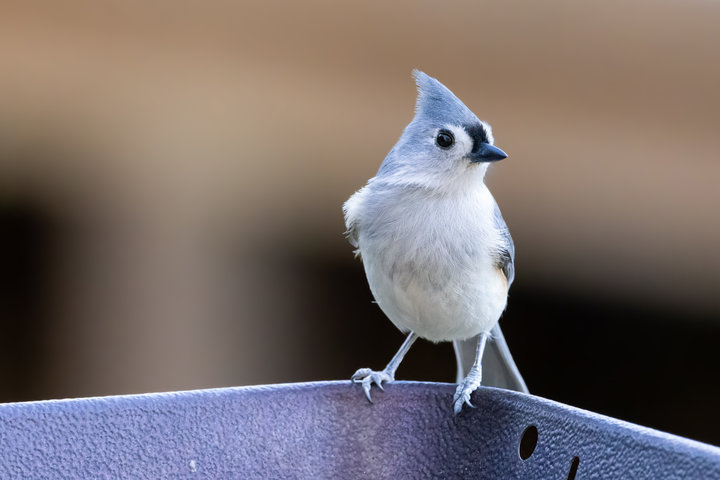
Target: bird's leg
367	377
472	380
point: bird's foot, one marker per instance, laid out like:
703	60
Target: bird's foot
465	388
367	377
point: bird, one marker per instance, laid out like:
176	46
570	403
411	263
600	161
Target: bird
436	251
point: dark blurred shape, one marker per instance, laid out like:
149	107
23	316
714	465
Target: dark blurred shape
26	245
655	367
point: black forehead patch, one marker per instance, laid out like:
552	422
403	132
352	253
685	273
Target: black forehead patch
478	134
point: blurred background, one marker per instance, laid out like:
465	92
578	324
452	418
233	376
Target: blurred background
172	175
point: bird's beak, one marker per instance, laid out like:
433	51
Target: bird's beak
487	153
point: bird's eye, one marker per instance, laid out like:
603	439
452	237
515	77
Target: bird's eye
445	139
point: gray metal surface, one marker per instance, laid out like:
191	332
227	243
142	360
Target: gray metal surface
329	430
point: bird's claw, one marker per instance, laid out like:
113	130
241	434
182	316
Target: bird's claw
461	398
464	390
367	377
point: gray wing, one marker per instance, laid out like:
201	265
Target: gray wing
350	213
499	368
506	256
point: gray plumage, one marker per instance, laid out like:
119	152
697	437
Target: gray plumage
507	254
437	253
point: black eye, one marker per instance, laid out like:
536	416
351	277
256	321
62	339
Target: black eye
445	139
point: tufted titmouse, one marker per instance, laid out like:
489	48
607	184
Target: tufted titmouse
437	253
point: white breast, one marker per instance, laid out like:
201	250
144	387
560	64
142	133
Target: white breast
430	260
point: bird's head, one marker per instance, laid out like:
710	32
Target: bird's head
445	142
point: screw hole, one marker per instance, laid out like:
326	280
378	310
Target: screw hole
573	468
528	441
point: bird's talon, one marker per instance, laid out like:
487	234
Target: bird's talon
367	377
464	390
366	389
360	375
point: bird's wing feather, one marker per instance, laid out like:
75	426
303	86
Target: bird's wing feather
351	210
351	233
506	257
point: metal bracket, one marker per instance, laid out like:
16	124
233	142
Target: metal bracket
329	430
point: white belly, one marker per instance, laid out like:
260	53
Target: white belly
436	275
443	308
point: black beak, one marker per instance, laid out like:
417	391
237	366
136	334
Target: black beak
484	152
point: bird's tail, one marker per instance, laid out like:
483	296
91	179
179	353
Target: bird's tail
498	366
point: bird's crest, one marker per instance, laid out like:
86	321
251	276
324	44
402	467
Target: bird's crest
436	103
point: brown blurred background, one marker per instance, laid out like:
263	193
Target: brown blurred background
171	176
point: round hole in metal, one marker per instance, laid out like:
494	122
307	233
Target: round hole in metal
528	442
